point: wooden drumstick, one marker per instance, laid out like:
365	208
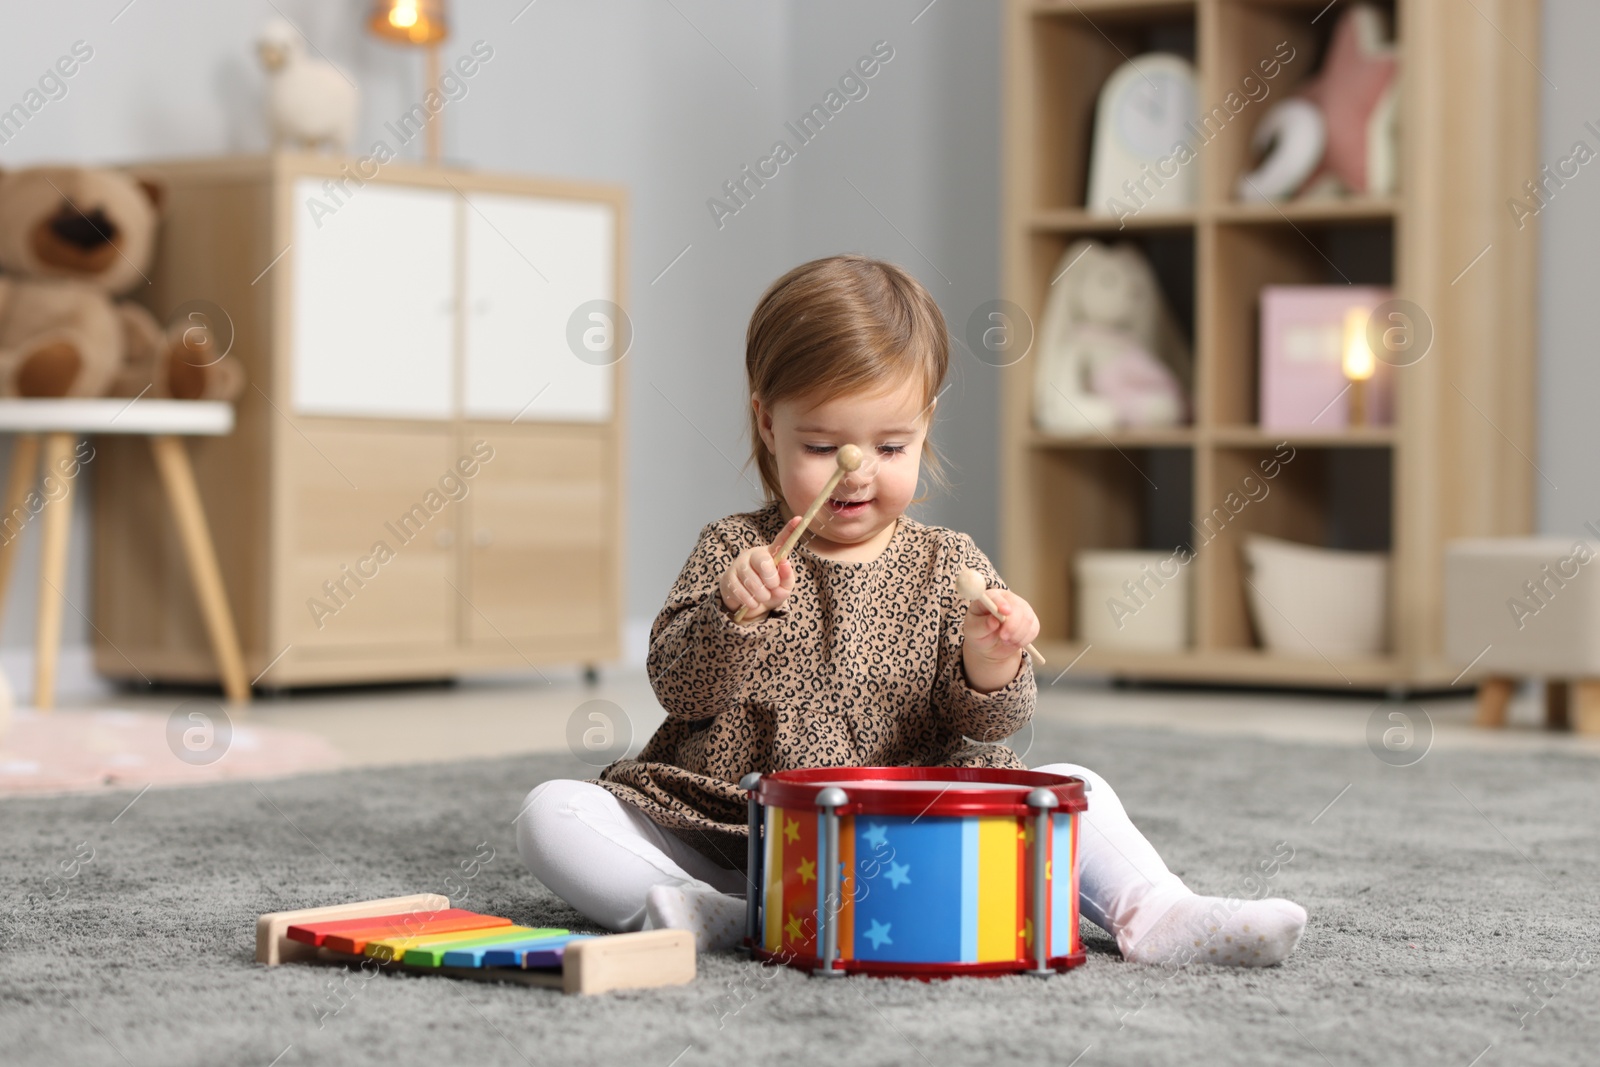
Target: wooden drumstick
971	586
849	459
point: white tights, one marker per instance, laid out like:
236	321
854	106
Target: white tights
602	856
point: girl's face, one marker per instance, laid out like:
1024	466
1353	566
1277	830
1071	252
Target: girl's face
889	427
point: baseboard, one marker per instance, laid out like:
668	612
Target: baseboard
76	677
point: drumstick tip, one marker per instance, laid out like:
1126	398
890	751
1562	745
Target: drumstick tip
970	584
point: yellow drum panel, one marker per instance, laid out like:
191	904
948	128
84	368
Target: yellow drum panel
997	887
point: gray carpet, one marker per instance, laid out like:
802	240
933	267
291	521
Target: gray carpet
1433	937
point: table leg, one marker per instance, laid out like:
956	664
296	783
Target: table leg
1586	705
24	476
1557	705
184	498
1494	696
55	530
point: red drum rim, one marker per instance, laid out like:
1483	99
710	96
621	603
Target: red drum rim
799	788
924	971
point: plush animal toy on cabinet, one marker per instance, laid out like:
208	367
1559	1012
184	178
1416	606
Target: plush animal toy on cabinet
310	105
1338	136
72	240
1110	353
188	361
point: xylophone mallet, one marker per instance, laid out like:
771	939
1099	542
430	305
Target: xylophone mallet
971	586
849	459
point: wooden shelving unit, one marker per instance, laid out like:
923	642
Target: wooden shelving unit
1452	464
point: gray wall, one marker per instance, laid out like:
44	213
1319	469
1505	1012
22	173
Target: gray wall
668	99
1569	266
671	99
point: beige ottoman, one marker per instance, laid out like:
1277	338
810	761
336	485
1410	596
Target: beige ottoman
1527	608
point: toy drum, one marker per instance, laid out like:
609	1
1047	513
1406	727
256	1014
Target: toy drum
920	872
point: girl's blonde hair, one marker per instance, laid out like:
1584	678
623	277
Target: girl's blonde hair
843	324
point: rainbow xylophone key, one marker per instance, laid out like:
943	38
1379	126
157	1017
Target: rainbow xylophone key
431	953
419	938
352	935
542	951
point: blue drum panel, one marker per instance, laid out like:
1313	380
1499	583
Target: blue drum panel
1061	901
911	889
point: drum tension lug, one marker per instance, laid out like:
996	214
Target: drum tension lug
750	783
1042	802
830	800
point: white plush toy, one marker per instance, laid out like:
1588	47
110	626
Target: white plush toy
309	103
1110	354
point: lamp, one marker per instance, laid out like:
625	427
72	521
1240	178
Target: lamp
1359	362
419	24
415	22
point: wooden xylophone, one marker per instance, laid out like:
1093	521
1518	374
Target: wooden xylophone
424	934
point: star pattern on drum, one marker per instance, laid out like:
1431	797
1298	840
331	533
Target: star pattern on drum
1026	933
808	871
875	835
791	831
878	933
899	874
792	928
1026	834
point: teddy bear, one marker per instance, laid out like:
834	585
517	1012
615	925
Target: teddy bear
1110	354
71	240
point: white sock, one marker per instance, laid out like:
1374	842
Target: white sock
1219	930
716	919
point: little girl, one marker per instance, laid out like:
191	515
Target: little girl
854	651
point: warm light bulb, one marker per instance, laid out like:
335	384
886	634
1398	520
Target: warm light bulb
413	22
403	15
1359	362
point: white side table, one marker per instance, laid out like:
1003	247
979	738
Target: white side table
164	422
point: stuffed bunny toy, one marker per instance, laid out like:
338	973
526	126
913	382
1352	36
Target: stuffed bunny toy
1110	354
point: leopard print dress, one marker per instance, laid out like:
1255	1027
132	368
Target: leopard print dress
860	666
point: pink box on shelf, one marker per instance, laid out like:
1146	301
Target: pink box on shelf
1302	358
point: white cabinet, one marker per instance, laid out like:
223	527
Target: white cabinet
391	504
375	283
530	266
353	489
541	521
385	285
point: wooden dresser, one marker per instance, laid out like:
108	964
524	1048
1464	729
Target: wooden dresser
426	477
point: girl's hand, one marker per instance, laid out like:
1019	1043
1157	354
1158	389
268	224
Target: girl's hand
992	646
754	582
